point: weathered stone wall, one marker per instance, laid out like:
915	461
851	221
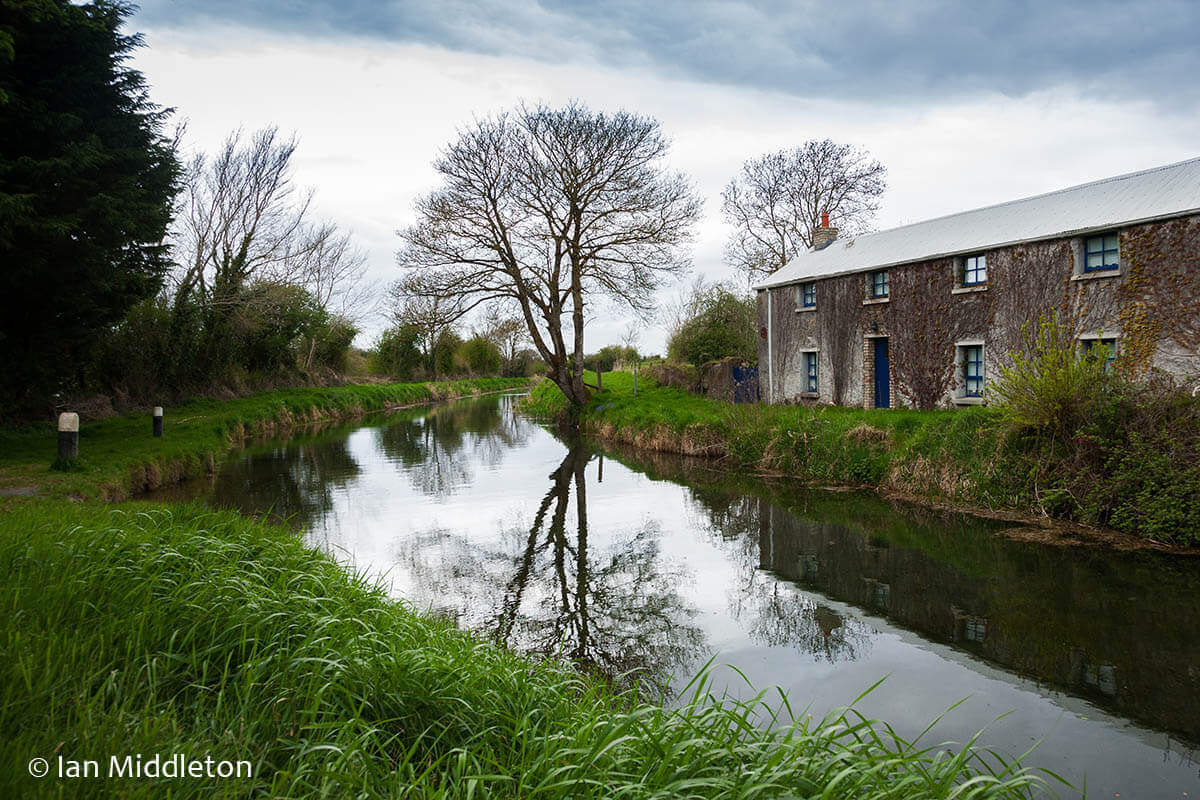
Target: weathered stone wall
1150	304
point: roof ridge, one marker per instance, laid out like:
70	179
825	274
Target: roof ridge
1064	190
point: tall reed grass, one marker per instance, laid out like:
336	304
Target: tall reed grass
176	629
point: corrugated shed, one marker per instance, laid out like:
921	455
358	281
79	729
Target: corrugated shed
1168	191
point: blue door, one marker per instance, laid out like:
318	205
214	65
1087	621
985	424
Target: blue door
883	398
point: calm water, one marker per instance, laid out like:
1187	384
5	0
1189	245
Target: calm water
626	562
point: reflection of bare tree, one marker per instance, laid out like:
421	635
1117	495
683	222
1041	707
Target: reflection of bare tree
778	614
439	450
782	616
614	612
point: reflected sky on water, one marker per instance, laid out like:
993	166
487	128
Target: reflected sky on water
644	567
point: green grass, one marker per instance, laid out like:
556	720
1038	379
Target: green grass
936	454
1136	482
164	629
119	456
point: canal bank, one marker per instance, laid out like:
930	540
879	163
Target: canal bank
120	457
961	459
633	564
169	627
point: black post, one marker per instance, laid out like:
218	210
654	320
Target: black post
158	422
68	435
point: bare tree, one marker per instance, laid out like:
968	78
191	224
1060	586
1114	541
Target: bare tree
247	243
548	207
776	201
333	271
507	330
418	306
242	219
686	304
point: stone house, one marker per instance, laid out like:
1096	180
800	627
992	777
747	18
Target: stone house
923	315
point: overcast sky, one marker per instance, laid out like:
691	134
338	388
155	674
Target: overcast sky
967	104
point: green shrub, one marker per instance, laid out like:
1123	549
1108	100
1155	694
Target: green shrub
1048	387
606	358
446	359
481	356
1136	465
397	354
721	324
269	322
328	343
140	353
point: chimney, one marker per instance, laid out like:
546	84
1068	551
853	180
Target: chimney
824	235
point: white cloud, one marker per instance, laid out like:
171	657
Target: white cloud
372	116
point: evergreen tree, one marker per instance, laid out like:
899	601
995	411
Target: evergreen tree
87	179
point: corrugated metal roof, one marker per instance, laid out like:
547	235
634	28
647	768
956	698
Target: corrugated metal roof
1168	191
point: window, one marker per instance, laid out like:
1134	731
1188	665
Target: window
879	283
810	370
1101	252
974	271
975	629
1109	344
808	295
972	360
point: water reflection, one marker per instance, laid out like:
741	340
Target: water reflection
1116	628
441	448
774	613
548	589
481	515
295	482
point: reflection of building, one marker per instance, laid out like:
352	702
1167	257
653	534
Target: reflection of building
809	566
878	594
968	627
1039	611
827	620
1100	677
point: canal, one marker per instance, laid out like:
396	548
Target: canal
647	567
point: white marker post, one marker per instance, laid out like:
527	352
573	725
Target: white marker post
68	435
158	422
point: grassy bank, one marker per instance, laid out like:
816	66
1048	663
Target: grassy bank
964	457
175	629
119	457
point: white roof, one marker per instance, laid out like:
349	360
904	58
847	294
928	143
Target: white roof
1170	191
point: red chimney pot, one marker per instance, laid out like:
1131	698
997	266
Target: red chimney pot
824	219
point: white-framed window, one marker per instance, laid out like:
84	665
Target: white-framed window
975	629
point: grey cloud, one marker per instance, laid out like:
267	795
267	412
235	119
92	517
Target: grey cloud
859	50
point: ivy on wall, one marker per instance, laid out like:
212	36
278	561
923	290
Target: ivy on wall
1154	299
1159	296
923	320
